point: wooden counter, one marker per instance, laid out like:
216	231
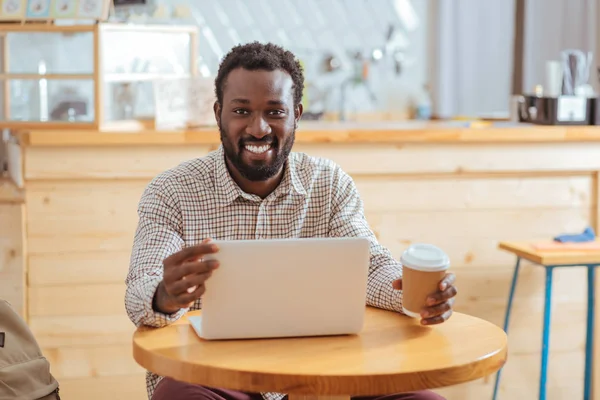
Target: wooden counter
9	192
12	278
464	189
334	132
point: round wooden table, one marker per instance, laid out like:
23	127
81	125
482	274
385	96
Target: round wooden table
392	354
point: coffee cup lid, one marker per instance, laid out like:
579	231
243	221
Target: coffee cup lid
425	257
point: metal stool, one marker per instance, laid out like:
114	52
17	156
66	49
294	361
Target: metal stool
550	261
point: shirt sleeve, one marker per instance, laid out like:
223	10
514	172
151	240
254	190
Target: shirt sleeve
348	220
158	235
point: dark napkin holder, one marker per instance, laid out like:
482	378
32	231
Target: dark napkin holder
595	119
562	110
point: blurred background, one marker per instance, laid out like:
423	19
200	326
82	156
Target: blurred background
375	59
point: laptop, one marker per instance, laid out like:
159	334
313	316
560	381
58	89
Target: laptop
285	288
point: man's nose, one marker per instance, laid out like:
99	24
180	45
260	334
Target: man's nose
258	127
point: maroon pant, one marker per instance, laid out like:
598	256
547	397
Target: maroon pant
169	389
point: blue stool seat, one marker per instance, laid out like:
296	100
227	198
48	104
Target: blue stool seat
589	260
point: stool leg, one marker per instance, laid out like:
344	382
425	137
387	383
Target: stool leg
511	294
589	336
546	332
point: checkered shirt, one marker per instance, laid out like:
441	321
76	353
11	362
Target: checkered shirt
198	199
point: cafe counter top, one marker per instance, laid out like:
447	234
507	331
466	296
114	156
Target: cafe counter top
311	132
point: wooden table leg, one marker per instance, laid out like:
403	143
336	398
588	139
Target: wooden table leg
595	395
309	397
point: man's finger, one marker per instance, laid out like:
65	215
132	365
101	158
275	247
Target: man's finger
448	280
192	268
191	253
437	320
195	252
191	281
187	299
440	297
434	311
397	284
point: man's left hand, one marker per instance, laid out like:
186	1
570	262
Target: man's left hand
439	304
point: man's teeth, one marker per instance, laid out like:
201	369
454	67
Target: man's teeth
257	149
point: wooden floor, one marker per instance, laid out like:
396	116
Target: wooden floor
81	214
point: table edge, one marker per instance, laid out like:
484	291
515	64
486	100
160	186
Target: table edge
548	258
318	385
510	247
298	384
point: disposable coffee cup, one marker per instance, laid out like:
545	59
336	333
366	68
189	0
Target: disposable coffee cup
423	268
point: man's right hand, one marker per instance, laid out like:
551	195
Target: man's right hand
183	279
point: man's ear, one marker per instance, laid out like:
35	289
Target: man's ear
217	110
298	110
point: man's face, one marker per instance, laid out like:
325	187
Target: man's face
257	121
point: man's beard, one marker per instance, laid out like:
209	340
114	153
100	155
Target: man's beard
260	172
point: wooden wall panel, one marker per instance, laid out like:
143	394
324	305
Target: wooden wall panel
91	361
484	224
471	237
82	216
147	161
484	294
66	300
107	220
520	380
105	162
397	193
129	387
459	158
83	268
82	330
12	273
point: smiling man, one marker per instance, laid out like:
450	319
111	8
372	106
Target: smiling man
252	187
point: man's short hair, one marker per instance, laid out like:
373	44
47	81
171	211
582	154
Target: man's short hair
256	56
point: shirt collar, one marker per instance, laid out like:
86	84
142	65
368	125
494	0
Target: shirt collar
291	182
226	188
228	191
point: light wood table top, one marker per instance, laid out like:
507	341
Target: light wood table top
392	354
526	251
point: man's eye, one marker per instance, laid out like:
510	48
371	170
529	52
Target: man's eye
241	111
276	112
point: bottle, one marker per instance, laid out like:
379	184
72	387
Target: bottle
423	106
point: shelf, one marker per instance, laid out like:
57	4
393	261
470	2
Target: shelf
62	77
41	27
140	77
81	86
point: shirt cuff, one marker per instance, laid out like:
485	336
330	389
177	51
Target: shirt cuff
381	293
150	316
